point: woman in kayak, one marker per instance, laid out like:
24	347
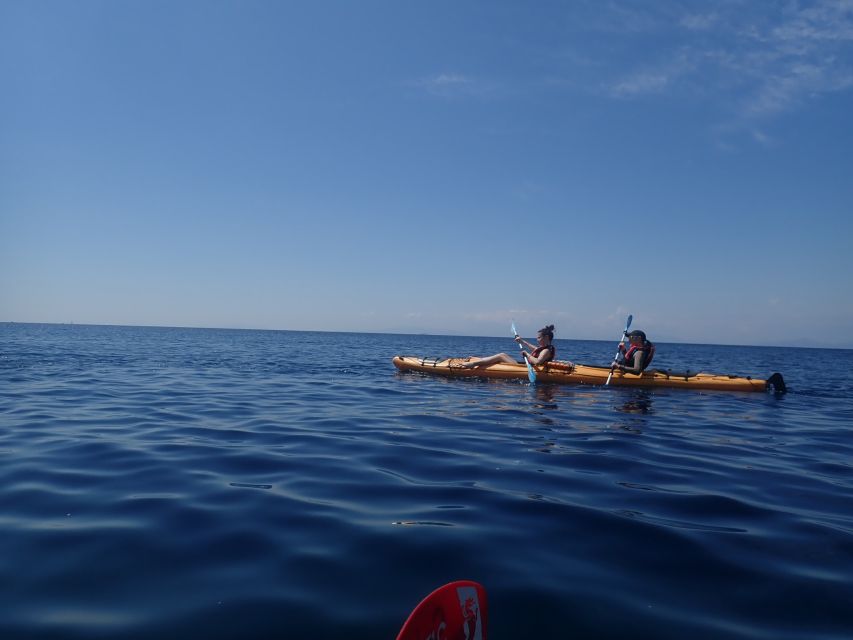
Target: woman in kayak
638	355
544	352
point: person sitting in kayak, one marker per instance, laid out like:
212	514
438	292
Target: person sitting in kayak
638	355
541	354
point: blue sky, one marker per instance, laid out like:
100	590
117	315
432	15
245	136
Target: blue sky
438	167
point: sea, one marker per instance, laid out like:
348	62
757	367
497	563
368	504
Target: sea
205	483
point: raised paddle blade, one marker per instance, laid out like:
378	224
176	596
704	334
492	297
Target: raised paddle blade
456	611
531	372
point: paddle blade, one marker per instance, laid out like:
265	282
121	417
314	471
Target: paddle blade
514	330
456	611
628	323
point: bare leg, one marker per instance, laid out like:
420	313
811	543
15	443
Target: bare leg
485	362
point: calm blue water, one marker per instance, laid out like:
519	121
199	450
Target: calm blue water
247	484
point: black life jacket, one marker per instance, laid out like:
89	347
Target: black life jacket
649	350
551	348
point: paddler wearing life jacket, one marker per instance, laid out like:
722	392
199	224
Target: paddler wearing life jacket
539	354
638	354
544	351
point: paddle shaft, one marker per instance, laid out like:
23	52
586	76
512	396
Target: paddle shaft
618	350
531	373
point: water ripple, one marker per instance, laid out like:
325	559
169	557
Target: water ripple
169	482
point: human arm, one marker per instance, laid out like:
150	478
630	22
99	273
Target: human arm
521	340
546	354
635	367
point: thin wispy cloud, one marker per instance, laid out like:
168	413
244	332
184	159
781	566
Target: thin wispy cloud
790	86
825	21
699	22
805	55
448	84
762	138
640	84
755	62
524	318
652	80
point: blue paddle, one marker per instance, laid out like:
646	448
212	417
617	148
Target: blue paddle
621	342
531	374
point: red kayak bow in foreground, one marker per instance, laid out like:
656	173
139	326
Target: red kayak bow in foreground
456	611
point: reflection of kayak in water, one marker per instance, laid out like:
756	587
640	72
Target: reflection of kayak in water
565	373
456	611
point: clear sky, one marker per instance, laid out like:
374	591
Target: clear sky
437	167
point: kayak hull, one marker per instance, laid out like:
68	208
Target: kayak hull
565	373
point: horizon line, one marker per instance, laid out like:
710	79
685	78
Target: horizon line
403	333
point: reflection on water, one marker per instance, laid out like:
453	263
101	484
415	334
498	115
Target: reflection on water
545	396
635	408
639	402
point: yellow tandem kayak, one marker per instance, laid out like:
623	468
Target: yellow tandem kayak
565	373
